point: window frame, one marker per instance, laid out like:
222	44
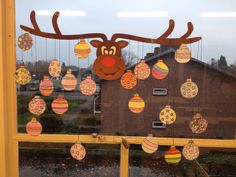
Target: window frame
10	138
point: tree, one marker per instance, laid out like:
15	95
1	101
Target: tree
222	63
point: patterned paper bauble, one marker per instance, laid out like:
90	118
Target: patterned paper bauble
136	104
37	106
183	54
88	86
46	86
69	81
82	49
78	151
149	145
189	89
190	151
60	105
25	41
167	115
128	80
198	124
34	127
22	76
173	156
54	68
160	70
142	70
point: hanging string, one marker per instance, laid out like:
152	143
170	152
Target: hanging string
55	49
137	53
46	50
60	50
69	52
22	54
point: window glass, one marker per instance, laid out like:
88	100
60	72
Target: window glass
212	67
54	159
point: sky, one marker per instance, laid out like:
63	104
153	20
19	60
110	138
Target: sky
218	33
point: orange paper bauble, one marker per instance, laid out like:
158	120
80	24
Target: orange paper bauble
183	54
78	151
54	68
69	81
88	86
160	70
60	105
128	80
34	127
149	145
142	70
46	86
136	104
82	49
22	76
25	41
37	106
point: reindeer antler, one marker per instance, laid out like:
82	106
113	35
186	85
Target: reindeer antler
57	35
163	38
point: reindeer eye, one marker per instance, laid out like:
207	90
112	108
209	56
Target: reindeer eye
104	50
112	50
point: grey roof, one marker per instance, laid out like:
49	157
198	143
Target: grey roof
172	51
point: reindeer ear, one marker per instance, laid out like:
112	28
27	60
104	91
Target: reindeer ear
95	43
122	44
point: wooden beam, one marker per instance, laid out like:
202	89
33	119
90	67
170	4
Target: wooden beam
100	139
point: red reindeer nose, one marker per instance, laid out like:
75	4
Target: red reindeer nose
108	61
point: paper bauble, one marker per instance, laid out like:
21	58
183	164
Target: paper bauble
60	105
142	70
167	115
25	41
34	127
173	156
149	145
160	70
189	89
69	81
190	151
183	54
88	86
54	68
198	124
37	106
128	80
136	104
22	76
82	49
46	86
78	151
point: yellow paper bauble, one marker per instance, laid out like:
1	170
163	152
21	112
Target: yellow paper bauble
82	49
189	89
167	115
183	54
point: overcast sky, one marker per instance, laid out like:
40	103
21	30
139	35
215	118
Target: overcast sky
218	33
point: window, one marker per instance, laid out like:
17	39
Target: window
103	122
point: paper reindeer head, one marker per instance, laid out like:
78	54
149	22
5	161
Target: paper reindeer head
109	64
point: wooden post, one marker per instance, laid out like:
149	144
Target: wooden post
124	161
2	105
